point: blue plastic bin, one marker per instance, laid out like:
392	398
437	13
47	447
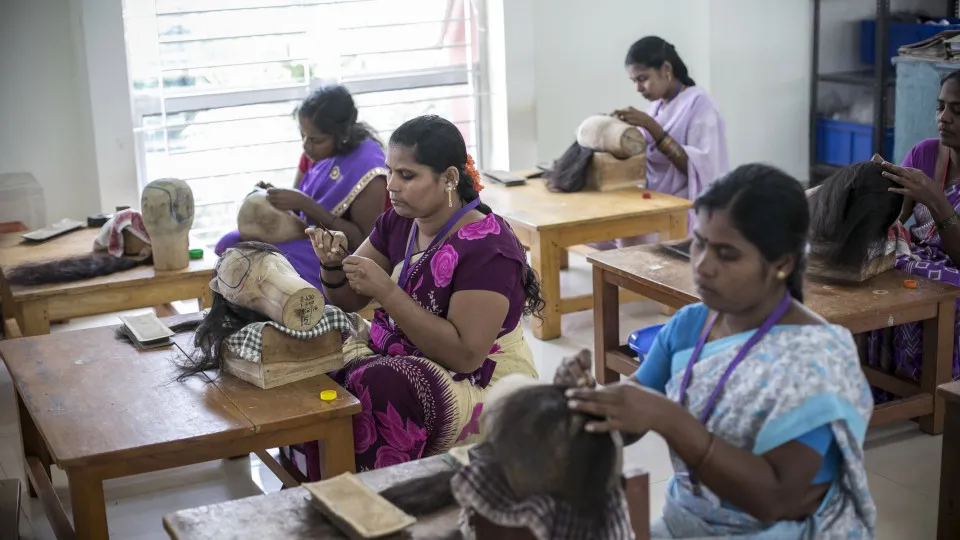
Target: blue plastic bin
900	34
842	143
641	340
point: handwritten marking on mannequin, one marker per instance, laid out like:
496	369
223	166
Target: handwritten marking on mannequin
890	321
308	306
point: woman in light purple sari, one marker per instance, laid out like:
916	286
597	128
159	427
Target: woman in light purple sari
344	186
930	180
686	136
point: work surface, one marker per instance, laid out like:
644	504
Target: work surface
14	251
96	399
667	278
536	207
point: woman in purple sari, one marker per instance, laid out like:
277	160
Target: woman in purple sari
930	180
453	285
686	136
344	188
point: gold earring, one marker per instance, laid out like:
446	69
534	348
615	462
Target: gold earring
781	275
449	196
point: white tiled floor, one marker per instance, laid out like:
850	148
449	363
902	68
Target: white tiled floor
904	464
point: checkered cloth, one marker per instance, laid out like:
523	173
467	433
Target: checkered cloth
248	342
481	488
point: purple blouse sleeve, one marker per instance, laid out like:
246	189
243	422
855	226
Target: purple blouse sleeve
378	236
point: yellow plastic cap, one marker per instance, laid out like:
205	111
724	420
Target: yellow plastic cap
328	395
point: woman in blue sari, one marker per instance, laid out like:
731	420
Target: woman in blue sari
762	402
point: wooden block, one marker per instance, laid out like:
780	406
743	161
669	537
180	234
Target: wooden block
608	173
357	510
817	267
285	359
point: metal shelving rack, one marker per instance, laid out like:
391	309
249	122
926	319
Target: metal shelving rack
881	79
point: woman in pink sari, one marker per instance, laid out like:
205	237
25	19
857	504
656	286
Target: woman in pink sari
686	136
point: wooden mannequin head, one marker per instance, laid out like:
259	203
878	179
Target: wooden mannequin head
608	134
260	221
167	208
258	277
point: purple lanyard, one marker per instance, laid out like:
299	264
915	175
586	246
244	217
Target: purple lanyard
764	329
443	232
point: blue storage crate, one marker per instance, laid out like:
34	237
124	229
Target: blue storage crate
641	340
842	143
900	34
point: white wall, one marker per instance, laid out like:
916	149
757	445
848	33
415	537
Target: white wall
41	109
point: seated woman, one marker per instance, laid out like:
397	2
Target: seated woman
929	178
686	136
344	188
453	285
762	402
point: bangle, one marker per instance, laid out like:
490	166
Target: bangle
706	454
949	222
334	268
336	285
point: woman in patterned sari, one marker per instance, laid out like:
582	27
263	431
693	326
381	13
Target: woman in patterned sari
930	180
344	186
762	403
453	285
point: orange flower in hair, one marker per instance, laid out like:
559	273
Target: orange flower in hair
471	168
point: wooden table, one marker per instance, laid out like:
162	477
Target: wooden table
547	223
99	409
948	516
291	515
875	304
34	307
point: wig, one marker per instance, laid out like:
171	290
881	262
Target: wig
71	269
851	213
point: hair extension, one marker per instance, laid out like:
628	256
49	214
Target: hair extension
332	111
569	171
769	208
652	52
71	269
543	449
438	144
223	320
851	213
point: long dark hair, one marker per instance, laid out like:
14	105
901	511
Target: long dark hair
652	52
332	111
769	208
851	213
223	320
438	144
535	422
71	269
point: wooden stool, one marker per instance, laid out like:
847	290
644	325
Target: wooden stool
9	509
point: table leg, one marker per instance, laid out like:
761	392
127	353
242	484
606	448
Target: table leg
337	455
937	366
564	259
205	300
948	516
33	443
606	325
545	260
89	508
34	318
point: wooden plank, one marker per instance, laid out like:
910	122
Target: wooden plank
277	469
895	385
902	409
62	377
576	304
621	363
937	366
39	478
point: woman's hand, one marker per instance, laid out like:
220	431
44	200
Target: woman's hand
289	199
264	185
920	188
627	407
367	278
574	371
634	117
330	246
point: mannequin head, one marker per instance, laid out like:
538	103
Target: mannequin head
167	209
260	221
604	133
258	277
542	446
